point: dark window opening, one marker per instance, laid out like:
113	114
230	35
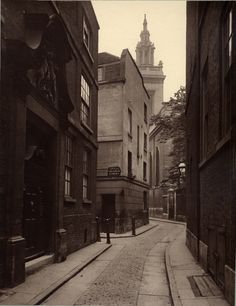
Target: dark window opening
129	164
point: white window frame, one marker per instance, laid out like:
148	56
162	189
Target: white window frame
68	165
85	101
86	34
86	174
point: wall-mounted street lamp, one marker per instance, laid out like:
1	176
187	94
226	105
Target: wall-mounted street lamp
181	169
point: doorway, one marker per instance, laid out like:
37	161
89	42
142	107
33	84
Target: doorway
171	213
108	211
216	254
36	198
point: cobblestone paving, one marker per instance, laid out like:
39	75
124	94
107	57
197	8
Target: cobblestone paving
120	282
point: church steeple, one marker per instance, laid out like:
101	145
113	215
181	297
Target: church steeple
145	23
145	48
145	33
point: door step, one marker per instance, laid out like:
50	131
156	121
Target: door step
203	285
36	264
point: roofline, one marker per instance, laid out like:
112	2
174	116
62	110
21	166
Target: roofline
156	129
127	50
95	15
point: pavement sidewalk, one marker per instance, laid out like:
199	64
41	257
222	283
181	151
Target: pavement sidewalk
182	271
190	285
44	282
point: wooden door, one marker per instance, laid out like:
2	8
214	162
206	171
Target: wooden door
216	253
108	212
36	210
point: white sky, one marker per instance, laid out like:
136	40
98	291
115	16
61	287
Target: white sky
122	21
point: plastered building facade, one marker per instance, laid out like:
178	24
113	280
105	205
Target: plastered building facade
123	111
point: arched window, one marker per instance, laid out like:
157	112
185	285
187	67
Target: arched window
157	166
150	168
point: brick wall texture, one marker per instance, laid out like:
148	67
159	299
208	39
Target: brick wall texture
211	197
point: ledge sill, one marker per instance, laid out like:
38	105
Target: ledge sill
87	127
70	200
86	201
88	51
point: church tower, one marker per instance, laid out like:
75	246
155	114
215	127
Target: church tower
152	75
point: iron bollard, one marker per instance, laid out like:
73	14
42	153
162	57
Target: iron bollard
108	231
98	229
133	227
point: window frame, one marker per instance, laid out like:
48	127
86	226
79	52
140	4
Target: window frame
69	161
144	171
150	169
85	94
86	166
130	119
145	141
226	71
138	141
145	112
86	32
101	74
129	164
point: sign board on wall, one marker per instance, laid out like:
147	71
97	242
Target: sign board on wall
113	171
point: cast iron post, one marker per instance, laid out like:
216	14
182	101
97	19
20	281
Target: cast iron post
98	229
133	226
108	231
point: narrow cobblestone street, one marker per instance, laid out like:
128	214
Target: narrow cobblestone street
131	272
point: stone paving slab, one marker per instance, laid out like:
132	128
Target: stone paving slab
180	266
39	285
153	300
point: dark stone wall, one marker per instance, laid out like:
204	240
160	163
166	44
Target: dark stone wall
77	218
216	197
211	197
192	119
80	231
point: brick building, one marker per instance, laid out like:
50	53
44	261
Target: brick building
211	139
123	131
48	132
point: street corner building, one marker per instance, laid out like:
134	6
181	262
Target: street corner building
211	139
48	132
123	131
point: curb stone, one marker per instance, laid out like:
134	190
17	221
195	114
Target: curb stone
170	275
130	236
167	220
